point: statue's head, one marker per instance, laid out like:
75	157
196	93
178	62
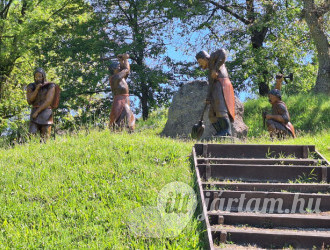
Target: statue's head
203	59
39	76
114	68
274	95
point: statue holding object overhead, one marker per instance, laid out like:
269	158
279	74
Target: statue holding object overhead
121	115
220	92
278	123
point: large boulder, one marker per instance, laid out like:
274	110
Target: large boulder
187	107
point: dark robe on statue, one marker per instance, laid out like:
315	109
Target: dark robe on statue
221	95
279	108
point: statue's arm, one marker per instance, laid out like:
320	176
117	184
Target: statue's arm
31	93
220	59
124	65
277	118
279	80
217	59
284	113
48	101
282	117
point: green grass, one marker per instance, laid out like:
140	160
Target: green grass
76	192
321	141
309	113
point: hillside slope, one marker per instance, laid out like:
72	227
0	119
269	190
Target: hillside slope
78	190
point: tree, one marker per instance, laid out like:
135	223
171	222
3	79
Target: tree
264	38
316	16
25	25
136	27
75	55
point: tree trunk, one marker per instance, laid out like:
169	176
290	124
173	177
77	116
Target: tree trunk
314	22
144	96
258	35
144	102
263	86
2	82
5	70
257	40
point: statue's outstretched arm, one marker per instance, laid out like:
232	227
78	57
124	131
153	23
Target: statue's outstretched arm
279	80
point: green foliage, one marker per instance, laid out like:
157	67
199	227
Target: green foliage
308	113
137	28
263	39
27	31
155	123
306	178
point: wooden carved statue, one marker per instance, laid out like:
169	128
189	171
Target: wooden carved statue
121	115
41	95
220	92
278	122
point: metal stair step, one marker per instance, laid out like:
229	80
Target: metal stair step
267	202
253	151
270	187
272	220
271	238
248	161
263	173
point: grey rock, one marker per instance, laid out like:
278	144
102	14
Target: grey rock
186	109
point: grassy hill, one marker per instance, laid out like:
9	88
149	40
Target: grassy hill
77	191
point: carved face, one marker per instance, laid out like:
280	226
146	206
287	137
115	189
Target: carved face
203	63
38	77
273	99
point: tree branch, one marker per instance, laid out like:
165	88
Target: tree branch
321	10
250	10
213	32
39	2
93	92
23	11
154	24
4	12
212	14
226	9
124	12
9	116
59	10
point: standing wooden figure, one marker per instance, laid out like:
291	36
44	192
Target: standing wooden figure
220	93
43	96
121	115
